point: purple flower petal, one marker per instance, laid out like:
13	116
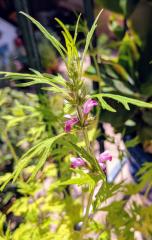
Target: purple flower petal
103	166
88	105
70	123
77	162
105	156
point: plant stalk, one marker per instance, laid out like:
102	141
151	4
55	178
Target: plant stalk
86	217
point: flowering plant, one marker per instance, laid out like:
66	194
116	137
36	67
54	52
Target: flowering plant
75	142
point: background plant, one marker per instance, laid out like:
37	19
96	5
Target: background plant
77	138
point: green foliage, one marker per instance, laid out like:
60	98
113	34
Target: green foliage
120	6
38	78
26	120
133	142
12	111
81	179
50	37
89	37
123	100
43	210
122	228
41	151
46	203
122	76
106	191
48	55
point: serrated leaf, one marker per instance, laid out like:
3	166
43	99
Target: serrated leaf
40	151
81	178
106	106
125	101
37	78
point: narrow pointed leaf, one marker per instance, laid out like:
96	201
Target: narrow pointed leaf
50	37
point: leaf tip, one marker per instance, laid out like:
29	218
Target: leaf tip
21	12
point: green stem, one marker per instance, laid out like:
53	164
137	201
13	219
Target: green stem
88	147
86	217
80	115
84	130
86	139
87	142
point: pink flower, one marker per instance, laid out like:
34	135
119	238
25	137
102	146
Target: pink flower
70	123
105	156
88	105
77	162
103	166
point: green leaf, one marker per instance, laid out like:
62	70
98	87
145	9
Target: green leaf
67	33
121	87
59	47
133	142
90	159
37	78
41	162
76	28
107	190
125	101
72	52
123	73
83	153
40	151
2	221
106	106
81	178
147	117
89	37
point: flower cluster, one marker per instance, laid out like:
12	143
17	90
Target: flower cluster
87	107
103	158
73	120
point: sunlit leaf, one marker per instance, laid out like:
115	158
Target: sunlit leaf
50	37
125	101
